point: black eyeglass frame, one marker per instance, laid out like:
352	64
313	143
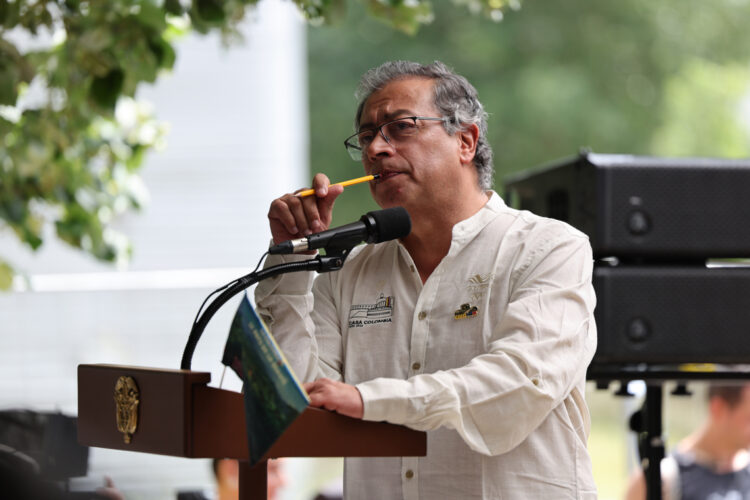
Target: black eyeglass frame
356	151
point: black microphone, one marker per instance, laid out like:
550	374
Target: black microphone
373	227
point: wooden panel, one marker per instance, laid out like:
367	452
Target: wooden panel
321	433
164	416
219	423
315	433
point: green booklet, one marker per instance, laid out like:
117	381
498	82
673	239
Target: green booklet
273	396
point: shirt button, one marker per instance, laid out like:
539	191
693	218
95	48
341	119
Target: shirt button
409	474
416	366
413	269
422	315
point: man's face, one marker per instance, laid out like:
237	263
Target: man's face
417	171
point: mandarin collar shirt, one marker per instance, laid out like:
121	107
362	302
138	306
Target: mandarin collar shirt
488	356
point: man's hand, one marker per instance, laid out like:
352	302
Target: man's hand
291	216
336	396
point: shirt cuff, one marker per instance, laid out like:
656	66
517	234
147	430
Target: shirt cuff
385	399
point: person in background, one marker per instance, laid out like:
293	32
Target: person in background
227	475
713	462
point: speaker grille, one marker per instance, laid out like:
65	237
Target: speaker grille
662	315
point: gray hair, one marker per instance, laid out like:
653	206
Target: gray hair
455	98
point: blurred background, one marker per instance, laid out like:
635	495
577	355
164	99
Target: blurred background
135	176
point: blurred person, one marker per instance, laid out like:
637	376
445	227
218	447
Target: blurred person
713	462
482	320
227	474
227	477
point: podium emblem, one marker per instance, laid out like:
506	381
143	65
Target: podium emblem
127	400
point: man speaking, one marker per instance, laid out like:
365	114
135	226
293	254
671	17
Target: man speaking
477	327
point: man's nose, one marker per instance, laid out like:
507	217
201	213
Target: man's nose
380	146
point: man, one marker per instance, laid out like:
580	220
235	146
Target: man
499	389
713	462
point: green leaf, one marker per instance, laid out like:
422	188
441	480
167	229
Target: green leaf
403	16
72	5
14	69
173	7
211	11
8	83
152	16
9	13
6	275
163	51
105	90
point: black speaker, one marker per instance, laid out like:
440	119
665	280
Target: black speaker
672	314
636	206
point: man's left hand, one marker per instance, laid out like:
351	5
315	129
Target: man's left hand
336	396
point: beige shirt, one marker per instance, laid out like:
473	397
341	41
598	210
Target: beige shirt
489	356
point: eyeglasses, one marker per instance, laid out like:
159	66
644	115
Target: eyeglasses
394	131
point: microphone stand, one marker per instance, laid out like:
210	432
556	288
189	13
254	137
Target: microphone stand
322	263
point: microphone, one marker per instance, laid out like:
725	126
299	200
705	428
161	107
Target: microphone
373	227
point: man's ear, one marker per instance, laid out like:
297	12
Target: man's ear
468	138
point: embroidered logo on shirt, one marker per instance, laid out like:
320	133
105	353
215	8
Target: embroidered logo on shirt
466	311
478	285
370	314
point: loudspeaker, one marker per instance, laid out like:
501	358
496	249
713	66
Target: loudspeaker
672	314
636	206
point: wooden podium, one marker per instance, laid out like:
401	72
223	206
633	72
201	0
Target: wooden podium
179	415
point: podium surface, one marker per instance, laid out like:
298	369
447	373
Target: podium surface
177	414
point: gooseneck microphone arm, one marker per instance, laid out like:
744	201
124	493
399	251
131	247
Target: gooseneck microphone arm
321	264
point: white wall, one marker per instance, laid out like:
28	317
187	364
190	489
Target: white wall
238	138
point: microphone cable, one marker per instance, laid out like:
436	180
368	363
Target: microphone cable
222	288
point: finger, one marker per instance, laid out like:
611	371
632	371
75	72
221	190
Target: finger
319	397
325	205
325	197
312	213
300	210
308	387
317	384
317	400
281	215
320	184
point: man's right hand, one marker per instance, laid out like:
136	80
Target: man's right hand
291	216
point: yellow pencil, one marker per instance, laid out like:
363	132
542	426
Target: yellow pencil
308	192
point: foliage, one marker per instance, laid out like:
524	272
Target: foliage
73	136
640	77
635	77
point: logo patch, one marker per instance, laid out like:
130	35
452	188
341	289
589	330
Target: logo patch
465	311
371	314
478	285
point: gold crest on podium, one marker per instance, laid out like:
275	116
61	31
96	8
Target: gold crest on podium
127	400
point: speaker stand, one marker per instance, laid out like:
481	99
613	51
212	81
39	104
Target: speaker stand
647	423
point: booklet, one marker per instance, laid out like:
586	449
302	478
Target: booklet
273	396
